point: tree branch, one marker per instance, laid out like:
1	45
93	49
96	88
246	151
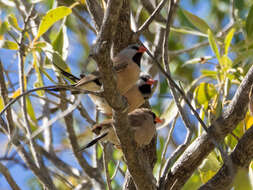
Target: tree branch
96	13
202	146
240	157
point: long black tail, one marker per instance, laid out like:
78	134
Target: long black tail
57	89
94	141
68	75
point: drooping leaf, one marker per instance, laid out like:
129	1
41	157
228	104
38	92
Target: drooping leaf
61	43
213	44
39	81
228	40
14	22
51	17
249	24
204	93
4	27
196	21
169	114
9	45
59	62
31	111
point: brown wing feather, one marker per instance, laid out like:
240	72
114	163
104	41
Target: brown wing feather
138	116
121	66
101	126
89	78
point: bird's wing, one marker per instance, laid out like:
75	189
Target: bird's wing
89	78
121	66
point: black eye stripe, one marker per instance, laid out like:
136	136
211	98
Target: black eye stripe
135	47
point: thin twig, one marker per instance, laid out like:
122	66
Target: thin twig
116	170
146	24
166	146
105	162
22	76
8	177
67	87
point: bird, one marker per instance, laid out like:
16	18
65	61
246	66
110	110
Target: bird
142	123
127	66
135	96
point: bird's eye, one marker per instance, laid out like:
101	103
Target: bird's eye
135	47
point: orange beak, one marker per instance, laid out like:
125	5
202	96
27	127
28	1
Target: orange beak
142	49
151	81
158	120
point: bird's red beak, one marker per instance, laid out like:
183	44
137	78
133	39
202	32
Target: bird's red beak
158	120
151	81
142	49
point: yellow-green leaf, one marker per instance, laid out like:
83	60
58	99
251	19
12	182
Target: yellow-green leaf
204	93
228	40
9	45
225	63
1	104
213	44
14	22
4	27
242	180
52	17
196	21
209	167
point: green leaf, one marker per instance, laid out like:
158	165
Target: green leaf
4	27
111	168
225	63
169	114
14	22
61	43
9	45
209	167
242	180
52	17
209	73
194	182
39	81
204	93
30	110
213	44
59	62
196	21
249	24
188	31
228	40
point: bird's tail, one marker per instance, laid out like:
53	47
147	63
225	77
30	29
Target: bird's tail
67	75
94	141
